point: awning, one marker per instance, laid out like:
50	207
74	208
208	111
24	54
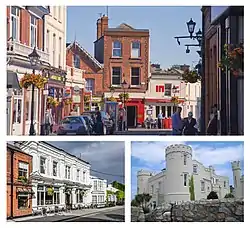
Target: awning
25	190
12	80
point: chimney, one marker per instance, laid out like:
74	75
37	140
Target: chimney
99	28
104	24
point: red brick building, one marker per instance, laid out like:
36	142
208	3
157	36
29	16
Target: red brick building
85	72
124	53
19	188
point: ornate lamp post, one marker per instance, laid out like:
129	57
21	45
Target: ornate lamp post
124	86
34	60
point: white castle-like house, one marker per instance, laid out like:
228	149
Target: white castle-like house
172	183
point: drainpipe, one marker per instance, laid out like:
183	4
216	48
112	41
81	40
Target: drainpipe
12	187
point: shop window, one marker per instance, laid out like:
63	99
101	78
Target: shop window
169	113
40	195
23	201
48	198
56	198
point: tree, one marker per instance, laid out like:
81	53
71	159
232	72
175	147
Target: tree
212	195
134	203
229	195
191	188
118	185
143	199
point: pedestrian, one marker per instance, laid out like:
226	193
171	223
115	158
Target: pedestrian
177	123
189	125
212	127
48	121
159	117
99	123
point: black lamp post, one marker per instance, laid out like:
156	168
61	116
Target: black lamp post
34	60
174	92
191	26
124	86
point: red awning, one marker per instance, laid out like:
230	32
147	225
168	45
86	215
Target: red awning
162	100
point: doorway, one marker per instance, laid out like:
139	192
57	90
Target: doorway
131	116
17	115
68	200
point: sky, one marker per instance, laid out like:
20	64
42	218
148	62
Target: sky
105	157
151	156
164	23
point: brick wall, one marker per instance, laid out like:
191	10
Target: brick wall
18	156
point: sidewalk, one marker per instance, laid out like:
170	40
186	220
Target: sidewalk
64	216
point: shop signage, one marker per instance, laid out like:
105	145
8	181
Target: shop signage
57	78
160	89
76	99
76	90
67	92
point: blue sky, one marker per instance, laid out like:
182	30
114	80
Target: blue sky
151	156
164	23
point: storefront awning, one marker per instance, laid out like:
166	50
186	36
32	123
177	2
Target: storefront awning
12	80
25	190
162	100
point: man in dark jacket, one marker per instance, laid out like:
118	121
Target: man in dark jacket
212	128
189	125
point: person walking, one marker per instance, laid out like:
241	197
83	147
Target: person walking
177	123
48	121
212	128
189	125
160	117
99	123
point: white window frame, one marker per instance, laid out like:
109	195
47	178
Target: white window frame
35	29
44	165
84	176
116	48
116	85
135	76
203	187
78	174
25	166
136	49
17	18
67	172
55	162
195	166
60	52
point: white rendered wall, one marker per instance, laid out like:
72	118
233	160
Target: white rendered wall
236	178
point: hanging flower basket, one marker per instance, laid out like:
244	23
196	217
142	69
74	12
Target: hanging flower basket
123	96
52	101
83	193
86	99
50	191
68	101
36	79
175	100
23	179
191	76
233	59
112	99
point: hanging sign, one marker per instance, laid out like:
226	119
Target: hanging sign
51	92
67	92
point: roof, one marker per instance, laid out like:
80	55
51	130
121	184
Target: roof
17	149
126	27
94	60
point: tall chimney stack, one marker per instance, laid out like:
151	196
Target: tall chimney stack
104	24
99	28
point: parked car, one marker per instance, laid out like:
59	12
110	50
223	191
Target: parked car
73	125
90	123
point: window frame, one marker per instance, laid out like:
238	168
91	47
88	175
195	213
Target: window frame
76	58
78	174
44	166
56	165
26	195
168	91
203	187
116	48
24	171
185	179
120	76
15	16
185	159
34	26
92	87
135	76
195	166
138	49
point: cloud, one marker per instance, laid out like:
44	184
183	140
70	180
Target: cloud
106	157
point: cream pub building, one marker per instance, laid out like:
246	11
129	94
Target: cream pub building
165	84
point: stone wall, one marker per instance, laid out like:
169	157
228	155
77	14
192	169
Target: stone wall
226	210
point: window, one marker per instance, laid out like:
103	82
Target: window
33	31
23	201
135	76
56	198
54	168
152	189
185	159
185	179
15	23
167	90
90	83
78	175
235	181
42	165
117	49
23	169
67	172
83	176
48	198
54	49
94	200
135	51
76	61
202	186
225	184
217	181
47	41
195	169
60	52
40	195
159	186
95	185
116	76
59	14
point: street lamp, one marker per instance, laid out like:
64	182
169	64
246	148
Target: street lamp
174	89
34	60
191	26
124	85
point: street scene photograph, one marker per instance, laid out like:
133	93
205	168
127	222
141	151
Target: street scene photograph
65	181
187	181
115	70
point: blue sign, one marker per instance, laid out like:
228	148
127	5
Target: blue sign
51	92
217	11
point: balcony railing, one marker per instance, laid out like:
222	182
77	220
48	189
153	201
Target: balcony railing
14	47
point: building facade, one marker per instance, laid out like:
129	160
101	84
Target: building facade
59	179
19	189
98	191
238	180
84	79
24	32
111	193
55	39
172	183
124	53
165	84
223	25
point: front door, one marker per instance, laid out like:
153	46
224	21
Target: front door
17	115
131	116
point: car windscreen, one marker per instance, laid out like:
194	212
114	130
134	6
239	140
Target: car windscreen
72	120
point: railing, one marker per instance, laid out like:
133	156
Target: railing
24	50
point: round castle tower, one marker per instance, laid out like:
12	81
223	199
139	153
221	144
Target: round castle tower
179	167
237	179
142	181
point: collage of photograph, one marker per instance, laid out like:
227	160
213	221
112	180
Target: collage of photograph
118	114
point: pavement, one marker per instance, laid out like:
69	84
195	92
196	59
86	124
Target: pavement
143	131
110	214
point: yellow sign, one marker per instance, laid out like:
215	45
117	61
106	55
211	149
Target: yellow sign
56	77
